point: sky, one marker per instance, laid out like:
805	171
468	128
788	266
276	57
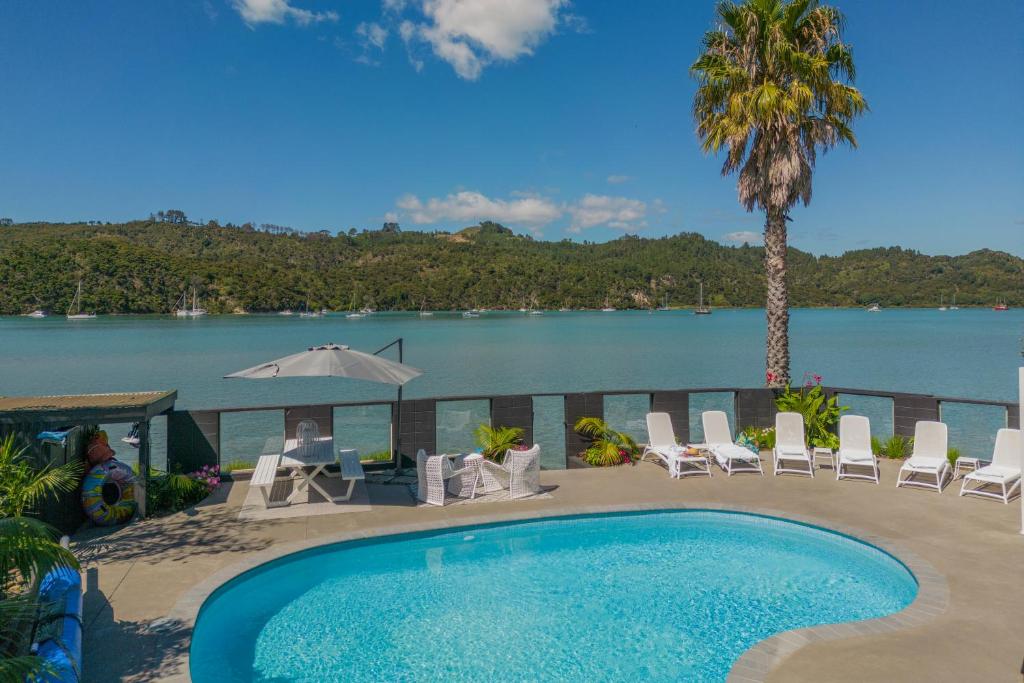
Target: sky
559	119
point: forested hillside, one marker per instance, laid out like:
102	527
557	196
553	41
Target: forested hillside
143	267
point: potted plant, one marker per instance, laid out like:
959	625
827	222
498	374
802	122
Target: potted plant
608	446
495	441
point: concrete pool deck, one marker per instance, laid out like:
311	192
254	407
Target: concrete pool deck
144	582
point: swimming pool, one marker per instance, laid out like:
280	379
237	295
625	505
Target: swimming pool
662	596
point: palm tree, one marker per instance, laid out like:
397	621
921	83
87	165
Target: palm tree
774	88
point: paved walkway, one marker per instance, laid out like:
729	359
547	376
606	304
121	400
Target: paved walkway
136	576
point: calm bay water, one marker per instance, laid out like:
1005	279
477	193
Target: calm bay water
967	353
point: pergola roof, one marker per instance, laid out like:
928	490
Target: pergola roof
120	407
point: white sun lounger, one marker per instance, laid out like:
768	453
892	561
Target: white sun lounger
929	457
790	445
855	448
728	455
1004	471
662	443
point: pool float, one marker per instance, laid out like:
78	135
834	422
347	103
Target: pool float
99	450
108	493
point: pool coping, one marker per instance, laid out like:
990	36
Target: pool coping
753	666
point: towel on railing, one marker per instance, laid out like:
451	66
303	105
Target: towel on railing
55	436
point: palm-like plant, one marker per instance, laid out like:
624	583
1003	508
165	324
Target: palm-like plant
495	441
23	486
774	88
607	446
28	549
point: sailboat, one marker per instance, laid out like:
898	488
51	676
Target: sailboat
953	306
181	309
701	308
874	308
76	306
942	303
607	308
38	313
664	304
1000	306
306	313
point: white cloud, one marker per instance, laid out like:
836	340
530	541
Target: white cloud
391	217
531	212
617	179
741	236
620	213
470	34
371	33
396	6
278	12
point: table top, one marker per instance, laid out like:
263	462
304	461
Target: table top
319	452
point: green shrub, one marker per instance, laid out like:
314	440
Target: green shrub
607	447
764	438
171	491
821	414
238	465
376	456
895	446
952	455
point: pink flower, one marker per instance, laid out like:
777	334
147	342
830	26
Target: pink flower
770	377
817	379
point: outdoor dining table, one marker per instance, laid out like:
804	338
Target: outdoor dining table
313	456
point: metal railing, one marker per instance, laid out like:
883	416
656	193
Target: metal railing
196	437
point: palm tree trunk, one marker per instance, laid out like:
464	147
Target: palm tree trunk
777	305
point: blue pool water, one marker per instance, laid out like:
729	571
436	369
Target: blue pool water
666	596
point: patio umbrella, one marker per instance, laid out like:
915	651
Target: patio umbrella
334	360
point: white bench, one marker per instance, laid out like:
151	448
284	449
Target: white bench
351	471
264	476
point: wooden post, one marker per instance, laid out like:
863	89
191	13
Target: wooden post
140	496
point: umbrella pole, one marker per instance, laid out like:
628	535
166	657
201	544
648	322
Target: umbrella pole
397	454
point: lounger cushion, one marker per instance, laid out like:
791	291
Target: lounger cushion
995	474
856	455
730	451
793	453
925	464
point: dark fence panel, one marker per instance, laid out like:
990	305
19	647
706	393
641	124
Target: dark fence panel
418	428
577	406
193	439
322	415
755	408
677	405
514	411
909	409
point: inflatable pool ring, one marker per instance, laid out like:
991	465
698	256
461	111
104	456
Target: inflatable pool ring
108	493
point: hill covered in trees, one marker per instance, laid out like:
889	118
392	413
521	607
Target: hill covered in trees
144	266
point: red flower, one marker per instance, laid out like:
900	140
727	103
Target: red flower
770	377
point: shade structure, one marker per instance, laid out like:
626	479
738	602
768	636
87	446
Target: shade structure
333	360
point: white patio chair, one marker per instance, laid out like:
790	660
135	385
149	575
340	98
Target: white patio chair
519	471
929	457
662	444
727	454
855	448
1004	471
432	473
307	433
790	444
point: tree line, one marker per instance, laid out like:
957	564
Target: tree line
144	266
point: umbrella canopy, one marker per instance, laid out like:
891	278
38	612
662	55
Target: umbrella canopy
333	360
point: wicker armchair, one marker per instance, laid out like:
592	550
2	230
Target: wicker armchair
519	471
432	473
